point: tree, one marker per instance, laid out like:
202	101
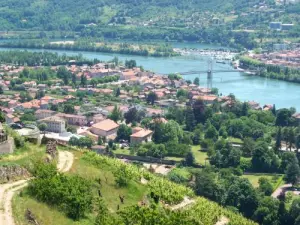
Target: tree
74	79
197	81
83	80
264	158
134	115
211	133
267	211
243	196
116	114
124	132
130	64
68	108
274	110
42	127
118	92
248	147
151	98
278	139
1	90
189	159
265	186
103	216
292	173
283	117
2	117
189	119
199	110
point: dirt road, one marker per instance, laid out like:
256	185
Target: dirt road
7	191
282	188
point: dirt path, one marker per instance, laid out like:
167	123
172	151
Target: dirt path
186	202
7	191
282	188
223	221
65	161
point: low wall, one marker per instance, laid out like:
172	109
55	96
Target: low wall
146	159
7	147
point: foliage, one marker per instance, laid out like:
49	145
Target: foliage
124	132
72	194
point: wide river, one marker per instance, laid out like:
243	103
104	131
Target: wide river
244	87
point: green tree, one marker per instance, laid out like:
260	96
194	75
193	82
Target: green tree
278	139
265	186
124	132
267	211
189	159
43	127
248	147
116	114
283	117
292	173
197	81
68	108
189	119
151	98
83	80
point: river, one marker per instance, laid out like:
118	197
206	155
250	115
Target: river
244	87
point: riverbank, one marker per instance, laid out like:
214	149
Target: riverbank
158	50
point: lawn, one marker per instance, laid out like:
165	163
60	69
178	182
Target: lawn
275	179
200	156
235	140
122	151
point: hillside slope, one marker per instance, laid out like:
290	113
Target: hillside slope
67	14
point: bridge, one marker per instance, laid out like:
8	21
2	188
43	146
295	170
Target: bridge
210	72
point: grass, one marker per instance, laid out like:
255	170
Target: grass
200	156
122	151
235	140
46	214
24	155
133	193
275	179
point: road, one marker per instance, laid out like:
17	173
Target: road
7	191
284	188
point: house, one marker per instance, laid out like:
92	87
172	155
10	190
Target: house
296	116
106	128
141	137
54	124
73	119
254	105
10	118
29	84
44	113
208	99
12	103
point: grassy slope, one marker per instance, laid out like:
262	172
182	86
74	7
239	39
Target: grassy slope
50	216
275	179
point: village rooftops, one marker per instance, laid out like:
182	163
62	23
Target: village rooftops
142	133
106	125
53	119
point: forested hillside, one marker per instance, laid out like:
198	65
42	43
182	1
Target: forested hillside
69	14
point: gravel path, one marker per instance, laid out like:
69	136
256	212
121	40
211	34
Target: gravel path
186	202
223	221
282	188
7	191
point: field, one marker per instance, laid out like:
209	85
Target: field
200	156
275	179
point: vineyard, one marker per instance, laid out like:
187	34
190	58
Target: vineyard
203	210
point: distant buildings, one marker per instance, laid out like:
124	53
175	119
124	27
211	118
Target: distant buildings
141	136
54	124
106	128
280	26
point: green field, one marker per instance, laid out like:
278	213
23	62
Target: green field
275	179
200	156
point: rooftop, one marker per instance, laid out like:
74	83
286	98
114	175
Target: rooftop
106	125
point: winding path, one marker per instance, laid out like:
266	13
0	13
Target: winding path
186	202
282	188
7	191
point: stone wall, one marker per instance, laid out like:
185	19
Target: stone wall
12	172
7	147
